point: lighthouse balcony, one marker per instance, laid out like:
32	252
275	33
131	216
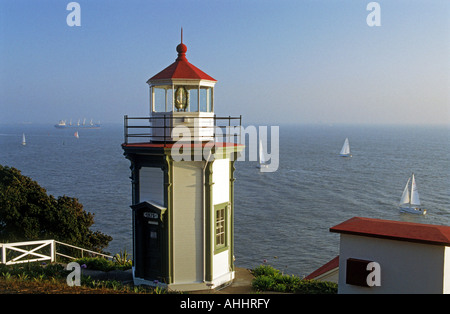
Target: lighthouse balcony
170	127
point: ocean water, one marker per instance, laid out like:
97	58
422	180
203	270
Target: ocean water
281	218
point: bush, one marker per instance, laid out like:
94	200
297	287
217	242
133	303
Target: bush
28	213
268	278
316	287
279	287
33	270
98	263
121	259
263	283
266	270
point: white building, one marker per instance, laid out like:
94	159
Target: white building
409	257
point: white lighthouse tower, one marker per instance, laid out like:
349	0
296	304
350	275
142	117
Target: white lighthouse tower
182	209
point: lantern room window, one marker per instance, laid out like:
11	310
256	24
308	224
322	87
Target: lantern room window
198	98
161	100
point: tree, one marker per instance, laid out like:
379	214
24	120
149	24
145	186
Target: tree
28	213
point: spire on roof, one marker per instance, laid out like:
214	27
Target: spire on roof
181	49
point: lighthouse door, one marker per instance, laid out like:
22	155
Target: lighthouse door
152	245
148	241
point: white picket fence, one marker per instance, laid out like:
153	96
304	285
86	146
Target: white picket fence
34	251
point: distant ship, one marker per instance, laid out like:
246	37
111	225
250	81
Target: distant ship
63	125
262	159
410	202
345	151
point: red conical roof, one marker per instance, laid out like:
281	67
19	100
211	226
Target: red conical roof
181	69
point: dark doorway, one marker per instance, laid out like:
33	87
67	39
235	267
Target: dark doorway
149	241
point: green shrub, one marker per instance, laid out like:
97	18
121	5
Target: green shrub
279	287
34	270
263	283
316	287
28	213
96	263
99	263
121	259
266	270
268	278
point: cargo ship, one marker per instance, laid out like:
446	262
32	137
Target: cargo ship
63	125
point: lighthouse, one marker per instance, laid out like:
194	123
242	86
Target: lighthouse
182	182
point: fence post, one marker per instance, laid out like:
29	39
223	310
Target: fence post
3	254
214	128
240	129
165	131
125	128
52	251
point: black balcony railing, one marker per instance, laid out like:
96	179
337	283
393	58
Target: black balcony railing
159	129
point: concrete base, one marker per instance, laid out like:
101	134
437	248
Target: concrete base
218	282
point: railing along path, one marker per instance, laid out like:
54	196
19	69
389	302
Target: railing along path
34	251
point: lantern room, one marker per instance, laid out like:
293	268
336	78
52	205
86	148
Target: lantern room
182	95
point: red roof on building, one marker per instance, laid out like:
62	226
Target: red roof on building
395	230
331	265
182	69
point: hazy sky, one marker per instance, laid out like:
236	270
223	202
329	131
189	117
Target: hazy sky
276	61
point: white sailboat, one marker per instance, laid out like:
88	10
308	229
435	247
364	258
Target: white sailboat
410	202
345	151
262	158
24	142
76	134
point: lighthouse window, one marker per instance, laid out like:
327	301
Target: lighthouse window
220	227
159	100
204	100
193	100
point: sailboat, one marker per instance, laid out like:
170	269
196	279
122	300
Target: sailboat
24	142
345	151
76	134
262	158
410	202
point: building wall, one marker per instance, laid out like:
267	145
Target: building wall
221	264
186	125
187	215
406	267
221	194
187	222
221	179
151	185
447	270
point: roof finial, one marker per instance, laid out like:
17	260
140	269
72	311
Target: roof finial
181	49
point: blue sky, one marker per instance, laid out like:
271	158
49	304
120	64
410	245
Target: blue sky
275	61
